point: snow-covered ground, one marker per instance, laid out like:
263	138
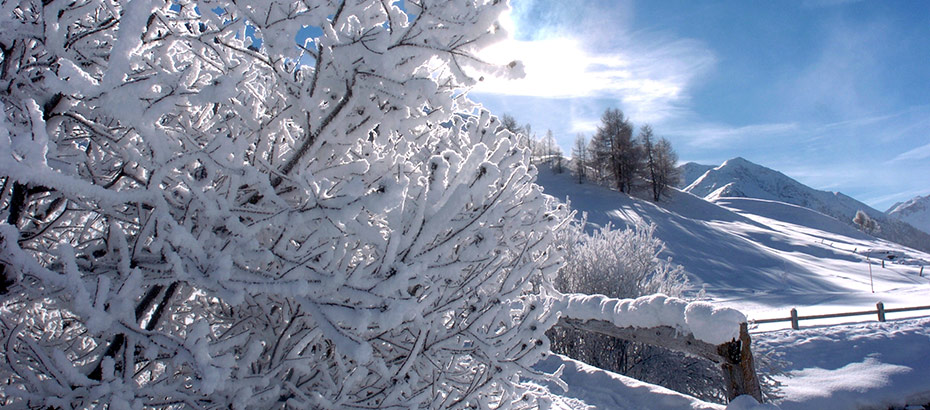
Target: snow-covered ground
593	388
855	366
765	257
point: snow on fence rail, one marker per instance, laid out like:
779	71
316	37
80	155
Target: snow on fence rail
879	310
698	328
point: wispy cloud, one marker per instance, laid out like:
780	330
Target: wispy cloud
826	176
921	152
845	80
722	134
651	80
888	129
836	99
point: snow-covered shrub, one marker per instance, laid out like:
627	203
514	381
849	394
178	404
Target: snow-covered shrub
198	213
620	263
865	223
625	264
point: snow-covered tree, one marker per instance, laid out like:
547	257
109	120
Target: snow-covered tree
198	212
865	222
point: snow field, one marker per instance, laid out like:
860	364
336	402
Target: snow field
764	257
853	366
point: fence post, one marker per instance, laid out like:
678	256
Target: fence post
881	311
869	259
739	369
794	319
921	271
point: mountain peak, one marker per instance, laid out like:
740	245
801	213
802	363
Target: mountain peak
738	161
740	178
915	211
917	201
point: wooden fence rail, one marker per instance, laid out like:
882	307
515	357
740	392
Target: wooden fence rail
733	357
880	310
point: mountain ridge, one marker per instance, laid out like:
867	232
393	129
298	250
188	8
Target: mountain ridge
741	178
915	211
691	171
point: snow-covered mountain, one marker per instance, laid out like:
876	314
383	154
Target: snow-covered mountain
690	172
916	212
765	253
739	178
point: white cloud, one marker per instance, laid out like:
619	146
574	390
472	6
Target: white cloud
651	81
585	126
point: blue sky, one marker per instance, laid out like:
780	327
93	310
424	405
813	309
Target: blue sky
833	93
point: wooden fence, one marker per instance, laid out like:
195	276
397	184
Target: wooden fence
733	357
880	311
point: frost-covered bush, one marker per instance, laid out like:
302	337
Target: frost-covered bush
620	263
625	263
191	218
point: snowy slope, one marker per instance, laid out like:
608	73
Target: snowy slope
915	212
859	366
761	256
593	388
690	172
738	177
764	257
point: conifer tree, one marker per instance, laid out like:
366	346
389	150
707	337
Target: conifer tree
613	149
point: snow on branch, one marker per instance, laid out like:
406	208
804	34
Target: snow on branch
704	321
197	212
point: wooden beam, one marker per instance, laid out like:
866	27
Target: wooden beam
734	357
663	336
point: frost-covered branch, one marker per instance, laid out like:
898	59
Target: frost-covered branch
194	217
